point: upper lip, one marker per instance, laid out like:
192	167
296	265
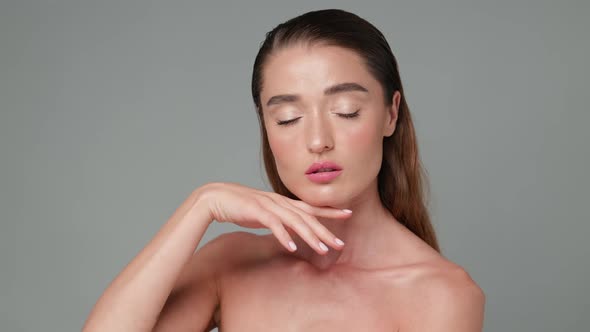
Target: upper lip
324	164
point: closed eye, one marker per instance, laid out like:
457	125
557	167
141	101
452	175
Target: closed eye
343	115
349	115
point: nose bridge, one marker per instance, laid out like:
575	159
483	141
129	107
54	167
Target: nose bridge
318	132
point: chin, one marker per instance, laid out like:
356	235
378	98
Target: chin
320	195
321	201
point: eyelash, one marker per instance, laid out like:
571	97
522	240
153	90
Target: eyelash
343	115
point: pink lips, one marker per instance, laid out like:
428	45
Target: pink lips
314	175
326	164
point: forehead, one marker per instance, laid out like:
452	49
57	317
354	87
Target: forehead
308	70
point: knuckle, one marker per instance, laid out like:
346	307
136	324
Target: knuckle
280	231
298	220
264	200
295	202
268	217
306	230
294	215
314	222
304	207
276	229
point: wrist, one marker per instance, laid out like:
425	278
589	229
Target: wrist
201	200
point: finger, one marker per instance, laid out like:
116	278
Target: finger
295	222
273	222
321	211
251	217
320	230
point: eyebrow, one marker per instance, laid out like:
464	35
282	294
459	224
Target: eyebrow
334	89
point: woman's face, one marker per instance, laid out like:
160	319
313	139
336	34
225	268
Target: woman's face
295	83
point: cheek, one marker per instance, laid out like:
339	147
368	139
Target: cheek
364	141
365	149
282	149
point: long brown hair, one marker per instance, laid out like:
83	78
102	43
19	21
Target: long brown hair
402	178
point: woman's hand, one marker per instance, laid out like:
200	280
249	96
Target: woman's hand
252	208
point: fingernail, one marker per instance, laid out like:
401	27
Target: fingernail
292	245
323	246
347	211
339	241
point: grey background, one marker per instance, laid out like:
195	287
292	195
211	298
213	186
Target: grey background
112	112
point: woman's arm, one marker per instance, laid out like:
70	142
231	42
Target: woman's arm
134	299
160	278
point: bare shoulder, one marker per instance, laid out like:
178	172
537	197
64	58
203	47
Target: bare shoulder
444	297
234	249
220	254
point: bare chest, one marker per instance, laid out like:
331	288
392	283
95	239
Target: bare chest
295	298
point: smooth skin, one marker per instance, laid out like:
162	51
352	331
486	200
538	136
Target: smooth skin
384	278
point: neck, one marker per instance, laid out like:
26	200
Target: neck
367	234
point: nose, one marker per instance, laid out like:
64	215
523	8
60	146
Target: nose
319	134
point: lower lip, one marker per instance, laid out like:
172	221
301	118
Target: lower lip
323	177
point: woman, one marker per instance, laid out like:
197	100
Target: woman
351	246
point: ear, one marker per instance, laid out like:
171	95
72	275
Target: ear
391	116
